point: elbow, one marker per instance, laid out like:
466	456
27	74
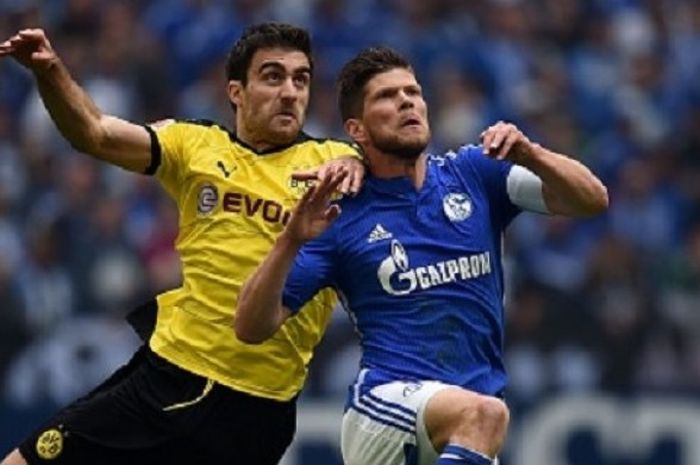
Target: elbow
246	334
250	328
248	337
594	203
86	146
89	142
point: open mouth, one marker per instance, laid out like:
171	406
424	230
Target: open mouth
410	122
287	114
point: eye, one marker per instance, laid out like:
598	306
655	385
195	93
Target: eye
414	91
386	93
273	77
301	80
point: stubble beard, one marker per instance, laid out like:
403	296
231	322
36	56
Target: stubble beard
408	149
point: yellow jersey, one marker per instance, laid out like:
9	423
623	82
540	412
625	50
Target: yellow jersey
233	203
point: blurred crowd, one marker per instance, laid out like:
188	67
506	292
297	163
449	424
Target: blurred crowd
611	303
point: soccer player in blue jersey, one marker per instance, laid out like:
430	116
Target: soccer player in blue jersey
416	258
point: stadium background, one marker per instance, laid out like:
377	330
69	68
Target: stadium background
603	336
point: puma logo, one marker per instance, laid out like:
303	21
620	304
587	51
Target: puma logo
223	169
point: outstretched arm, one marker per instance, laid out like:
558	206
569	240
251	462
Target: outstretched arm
260	312
104	137
568	187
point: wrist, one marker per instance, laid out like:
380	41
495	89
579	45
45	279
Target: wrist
535	157
50	70
288	242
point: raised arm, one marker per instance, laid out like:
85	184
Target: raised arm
102	136
260	312
568	187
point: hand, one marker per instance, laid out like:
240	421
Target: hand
313	214
351	184
504	141
31	49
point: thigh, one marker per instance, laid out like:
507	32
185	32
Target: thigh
240	428
53	447
368	440
122	421
385	425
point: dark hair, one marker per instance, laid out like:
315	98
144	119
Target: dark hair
264	35
358	71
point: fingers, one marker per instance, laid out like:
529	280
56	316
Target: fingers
326	186
351	183
305	175
499	139
331	213
26	35
320	193
306	198
345	186
28	45
507	144
493	137
32	34
355	174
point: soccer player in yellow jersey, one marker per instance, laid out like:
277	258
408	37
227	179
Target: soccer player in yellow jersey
195	394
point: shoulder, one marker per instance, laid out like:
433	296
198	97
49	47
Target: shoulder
332	146
191	127
464	154
354	209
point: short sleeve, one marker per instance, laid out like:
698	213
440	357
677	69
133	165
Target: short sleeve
168	151
494	178
313	270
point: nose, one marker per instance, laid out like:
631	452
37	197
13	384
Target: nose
406	101
288	91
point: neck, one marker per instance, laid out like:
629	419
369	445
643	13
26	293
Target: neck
253	139
385	165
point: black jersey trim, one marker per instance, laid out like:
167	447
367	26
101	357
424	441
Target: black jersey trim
301	138
156	152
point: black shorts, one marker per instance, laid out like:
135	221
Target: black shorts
151	411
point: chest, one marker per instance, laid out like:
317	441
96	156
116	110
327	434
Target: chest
248	193
430	231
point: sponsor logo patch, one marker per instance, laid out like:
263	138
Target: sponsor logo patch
457	206
207	199
411	388
50	444
398	278
379	233
224	170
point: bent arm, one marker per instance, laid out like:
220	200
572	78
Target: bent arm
76	116
260	312
568	187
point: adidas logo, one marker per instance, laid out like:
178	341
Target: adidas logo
379	234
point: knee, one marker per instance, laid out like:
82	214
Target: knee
488	415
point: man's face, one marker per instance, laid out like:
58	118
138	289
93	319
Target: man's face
395	115
271	106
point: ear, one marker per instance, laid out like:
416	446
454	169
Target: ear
235	91
356	130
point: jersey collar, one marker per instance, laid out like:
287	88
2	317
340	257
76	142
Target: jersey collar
302	137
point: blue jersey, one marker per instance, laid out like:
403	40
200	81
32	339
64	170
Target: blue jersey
420	272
